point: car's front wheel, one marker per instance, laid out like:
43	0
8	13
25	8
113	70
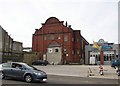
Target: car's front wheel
28	78
45	64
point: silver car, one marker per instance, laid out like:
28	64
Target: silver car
23	71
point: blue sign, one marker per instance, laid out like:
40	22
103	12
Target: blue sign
106	47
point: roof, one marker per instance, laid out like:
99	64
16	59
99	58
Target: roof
52	20
16	62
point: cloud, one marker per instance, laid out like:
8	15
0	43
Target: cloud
95	18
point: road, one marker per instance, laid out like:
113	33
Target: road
55	80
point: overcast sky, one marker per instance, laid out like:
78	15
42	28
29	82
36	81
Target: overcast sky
95	18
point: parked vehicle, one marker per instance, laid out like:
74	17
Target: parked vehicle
22	71
118	72
40	62
116	64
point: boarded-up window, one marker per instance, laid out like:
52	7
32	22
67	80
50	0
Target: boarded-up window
65	38
51	37
45	38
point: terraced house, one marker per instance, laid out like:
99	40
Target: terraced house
10	50
58	43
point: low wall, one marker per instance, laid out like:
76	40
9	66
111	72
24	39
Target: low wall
30	57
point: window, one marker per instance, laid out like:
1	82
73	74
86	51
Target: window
98	57
105	58
78	52
72	39
45	38
112	56
14	65
14	46
117	56
65	38
82	45
51	37
56	50
50	50
77	39
6	65
72	51
20	48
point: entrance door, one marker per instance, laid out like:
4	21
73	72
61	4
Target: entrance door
96	55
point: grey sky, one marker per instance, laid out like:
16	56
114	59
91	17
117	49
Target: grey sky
95	18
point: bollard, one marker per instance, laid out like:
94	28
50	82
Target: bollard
91	73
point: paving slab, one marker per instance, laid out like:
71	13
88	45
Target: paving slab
79	71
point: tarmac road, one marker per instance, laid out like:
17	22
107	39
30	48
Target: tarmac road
55	79
71	75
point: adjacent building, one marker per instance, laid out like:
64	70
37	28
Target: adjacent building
58	43
103	51
9	49
0	44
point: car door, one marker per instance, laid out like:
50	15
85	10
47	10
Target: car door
18	71
7	69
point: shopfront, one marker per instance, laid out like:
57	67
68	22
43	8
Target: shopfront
103	51
106	58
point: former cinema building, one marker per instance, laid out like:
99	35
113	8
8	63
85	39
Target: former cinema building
58	43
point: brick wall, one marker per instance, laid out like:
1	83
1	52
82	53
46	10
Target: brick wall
54	32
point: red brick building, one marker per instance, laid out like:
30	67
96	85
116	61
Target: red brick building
59	43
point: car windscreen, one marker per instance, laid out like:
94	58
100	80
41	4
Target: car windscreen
30	67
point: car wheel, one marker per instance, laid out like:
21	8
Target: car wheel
28	78
2	75
45	64
118	73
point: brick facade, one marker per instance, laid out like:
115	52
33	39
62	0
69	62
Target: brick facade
54	33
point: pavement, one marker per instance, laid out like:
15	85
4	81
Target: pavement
79	71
